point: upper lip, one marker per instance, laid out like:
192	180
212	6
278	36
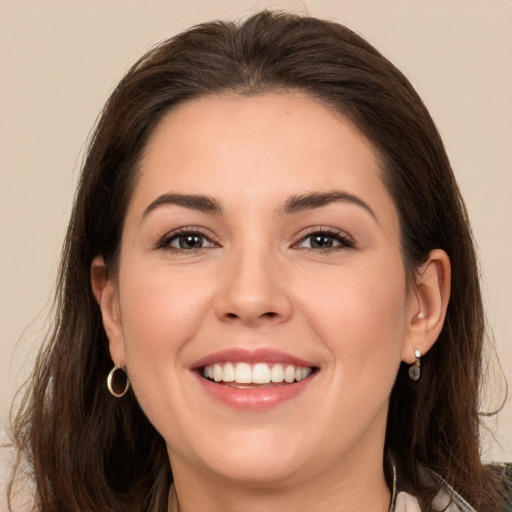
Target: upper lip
242	355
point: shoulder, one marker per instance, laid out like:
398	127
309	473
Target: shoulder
449	500
504	474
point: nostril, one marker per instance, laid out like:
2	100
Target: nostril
269	314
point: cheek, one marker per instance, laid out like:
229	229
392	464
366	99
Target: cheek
359	314
161	311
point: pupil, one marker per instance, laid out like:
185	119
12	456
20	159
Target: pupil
321	242
191	242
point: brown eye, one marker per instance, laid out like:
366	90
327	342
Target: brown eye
325	241
321	242
185	241
189	241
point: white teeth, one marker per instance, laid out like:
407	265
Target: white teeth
277	373
260	373
289	373
229	373
243	373
217	372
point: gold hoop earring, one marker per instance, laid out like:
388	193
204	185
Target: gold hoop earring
118	382
415	368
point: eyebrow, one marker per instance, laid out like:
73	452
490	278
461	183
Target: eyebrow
299	203
294	204
200	203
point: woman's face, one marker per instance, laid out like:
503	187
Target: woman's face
261	245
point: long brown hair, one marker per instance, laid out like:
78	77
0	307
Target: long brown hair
91	452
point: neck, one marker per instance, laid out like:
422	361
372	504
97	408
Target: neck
351	491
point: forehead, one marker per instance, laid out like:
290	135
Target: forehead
257	148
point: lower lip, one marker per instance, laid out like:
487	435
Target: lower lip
258	398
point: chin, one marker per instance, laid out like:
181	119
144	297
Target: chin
259	471
251	457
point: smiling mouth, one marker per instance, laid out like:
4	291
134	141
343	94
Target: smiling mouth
245	375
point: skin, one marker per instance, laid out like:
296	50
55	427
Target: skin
258	283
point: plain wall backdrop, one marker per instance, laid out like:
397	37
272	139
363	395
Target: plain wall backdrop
60	60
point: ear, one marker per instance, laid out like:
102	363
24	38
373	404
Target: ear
105	290
427	305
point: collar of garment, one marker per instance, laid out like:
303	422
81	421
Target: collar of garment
404	502
447	499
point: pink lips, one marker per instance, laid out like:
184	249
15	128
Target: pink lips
250	356
258	397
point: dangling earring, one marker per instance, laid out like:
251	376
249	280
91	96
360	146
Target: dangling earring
118	382
414	369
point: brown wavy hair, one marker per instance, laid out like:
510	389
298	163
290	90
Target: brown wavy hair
91	452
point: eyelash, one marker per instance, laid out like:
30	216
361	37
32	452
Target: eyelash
165	241
344	241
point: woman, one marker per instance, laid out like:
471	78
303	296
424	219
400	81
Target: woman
268	295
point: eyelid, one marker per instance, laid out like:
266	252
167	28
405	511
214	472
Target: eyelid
164	241
346	240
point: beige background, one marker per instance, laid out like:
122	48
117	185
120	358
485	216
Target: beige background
60	59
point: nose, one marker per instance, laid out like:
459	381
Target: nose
254	291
